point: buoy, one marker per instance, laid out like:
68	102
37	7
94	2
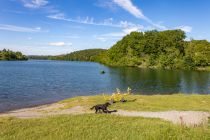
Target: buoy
102	72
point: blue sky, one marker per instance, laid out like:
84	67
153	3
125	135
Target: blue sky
51	27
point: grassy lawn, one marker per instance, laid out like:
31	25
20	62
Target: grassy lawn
148	103
105	126
97	127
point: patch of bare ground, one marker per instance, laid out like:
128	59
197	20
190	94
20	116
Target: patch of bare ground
188	118
44	111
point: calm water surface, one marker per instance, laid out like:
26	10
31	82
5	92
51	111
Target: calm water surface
29	83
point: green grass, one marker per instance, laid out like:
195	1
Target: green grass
148	103
97	127
105	126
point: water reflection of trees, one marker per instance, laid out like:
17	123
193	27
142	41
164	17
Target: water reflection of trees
195	81
150	81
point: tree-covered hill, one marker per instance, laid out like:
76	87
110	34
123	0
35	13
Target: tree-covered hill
83	55
154	49
160	49
10	55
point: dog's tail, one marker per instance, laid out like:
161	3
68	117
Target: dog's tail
114	111
111	111
92	107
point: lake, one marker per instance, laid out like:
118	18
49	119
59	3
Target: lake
30	83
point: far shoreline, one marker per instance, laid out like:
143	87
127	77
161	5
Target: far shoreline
204	69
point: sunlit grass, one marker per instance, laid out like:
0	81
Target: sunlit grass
96	127
148	103
105	126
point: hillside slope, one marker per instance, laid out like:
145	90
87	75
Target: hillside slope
83	55
159	49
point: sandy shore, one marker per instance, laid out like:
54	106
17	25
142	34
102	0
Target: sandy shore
188	118
43	111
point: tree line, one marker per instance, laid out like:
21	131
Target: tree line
154	49
83	55
10	55
159	49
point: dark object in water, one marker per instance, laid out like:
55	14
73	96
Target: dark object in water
102	72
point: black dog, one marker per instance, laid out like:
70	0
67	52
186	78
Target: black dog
102	107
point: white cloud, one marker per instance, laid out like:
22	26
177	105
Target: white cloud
135	11
110	36
118	35
113	34
132	29
59	16
186	29
34	4
59	44
128	6
159	26
19	28
108	21
125	4
43	5
86	20
90	21
105	4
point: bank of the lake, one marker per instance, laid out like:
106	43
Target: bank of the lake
179	101
102	126
31	83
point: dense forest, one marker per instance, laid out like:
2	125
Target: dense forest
158	49
152	49
83	55
10	55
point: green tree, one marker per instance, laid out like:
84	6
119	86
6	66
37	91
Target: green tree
199	52
10	55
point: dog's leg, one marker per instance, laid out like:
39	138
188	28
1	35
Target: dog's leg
105	111
96	111
99	111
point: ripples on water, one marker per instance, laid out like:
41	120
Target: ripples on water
29	83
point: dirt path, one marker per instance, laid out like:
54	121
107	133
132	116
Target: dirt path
44	111
189	118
